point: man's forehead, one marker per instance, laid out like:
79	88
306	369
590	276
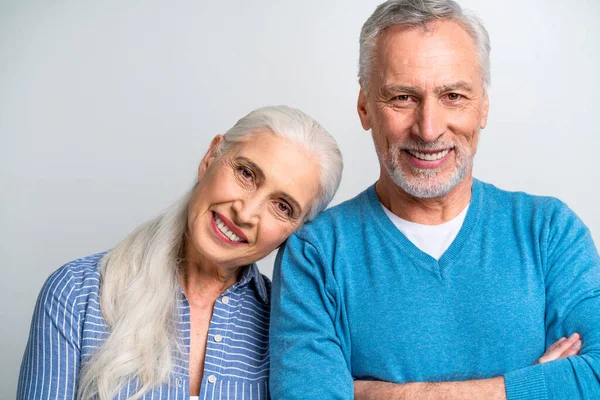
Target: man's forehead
441	54
437	36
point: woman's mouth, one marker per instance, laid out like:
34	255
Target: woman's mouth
225	230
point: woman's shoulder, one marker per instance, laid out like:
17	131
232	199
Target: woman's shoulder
80	269
74	279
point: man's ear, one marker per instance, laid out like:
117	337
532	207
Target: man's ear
484	114
210	156
363	111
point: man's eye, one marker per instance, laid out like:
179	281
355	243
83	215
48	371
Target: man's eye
403	98
453	96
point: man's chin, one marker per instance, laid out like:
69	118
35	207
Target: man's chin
427	187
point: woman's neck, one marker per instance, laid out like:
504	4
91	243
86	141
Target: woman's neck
204	279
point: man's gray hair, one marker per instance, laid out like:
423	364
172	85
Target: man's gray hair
418	13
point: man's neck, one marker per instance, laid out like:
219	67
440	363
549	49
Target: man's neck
432	211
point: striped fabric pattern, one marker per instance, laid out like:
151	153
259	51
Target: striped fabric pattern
67	327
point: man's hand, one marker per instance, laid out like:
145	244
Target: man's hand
485	388
562	348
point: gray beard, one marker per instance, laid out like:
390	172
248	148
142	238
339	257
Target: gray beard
422	183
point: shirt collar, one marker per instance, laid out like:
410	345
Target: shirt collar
251	273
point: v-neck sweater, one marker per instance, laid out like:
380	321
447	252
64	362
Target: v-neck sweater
353	298
431	239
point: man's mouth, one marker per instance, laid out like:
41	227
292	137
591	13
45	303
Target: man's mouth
429	156
221	226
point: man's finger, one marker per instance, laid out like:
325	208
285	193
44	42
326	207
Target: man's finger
557	349
573	350
555	344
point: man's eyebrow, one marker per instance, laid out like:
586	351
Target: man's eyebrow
416	91
393	89
460	85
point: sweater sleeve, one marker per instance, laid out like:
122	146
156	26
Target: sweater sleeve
307	357
51	361
572	305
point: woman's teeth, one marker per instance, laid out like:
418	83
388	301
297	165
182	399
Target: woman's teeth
223	228
428	156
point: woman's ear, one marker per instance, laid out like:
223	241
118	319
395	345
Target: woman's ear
210	156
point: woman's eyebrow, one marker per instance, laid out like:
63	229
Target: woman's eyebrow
255	168
295	205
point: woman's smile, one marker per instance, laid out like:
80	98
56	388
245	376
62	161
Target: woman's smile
226	231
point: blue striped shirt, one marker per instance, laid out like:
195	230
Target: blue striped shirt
67	327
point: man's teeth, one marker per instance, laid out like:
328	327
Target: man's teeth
429	156
223	228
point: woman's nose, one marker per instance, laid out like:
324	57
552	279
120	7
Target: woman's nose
247	211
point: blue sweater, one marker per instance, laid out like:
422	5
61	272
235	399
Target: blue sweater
353	298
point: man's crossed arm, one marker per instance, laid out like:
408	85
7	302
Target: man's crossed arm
489	389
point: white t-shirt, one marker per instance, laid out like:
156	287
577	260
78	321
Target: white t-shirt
193	397
430	239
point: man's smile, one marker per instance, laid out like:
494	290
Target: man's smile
429	155
428	159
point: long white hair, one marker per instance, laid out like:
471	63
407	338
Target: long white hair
140	276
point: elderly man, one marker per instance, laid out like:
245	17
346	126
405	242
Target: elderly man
431	275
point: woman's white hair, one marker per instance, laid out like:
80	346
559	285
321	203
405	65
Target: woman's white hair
140	276
418	13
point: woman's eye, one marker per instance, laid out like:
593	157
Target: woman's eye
245	173
284	208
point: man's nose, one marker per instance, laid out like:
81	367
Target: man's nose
430	120
246	211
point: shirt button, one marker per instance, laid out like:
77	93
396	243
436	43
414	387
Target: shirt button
225	300
212	379
179	382
218	338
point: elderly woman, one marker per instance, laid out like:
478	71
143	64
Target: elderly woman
179	308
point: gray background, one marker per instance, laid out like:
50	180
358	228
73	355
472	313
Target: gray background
106	108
